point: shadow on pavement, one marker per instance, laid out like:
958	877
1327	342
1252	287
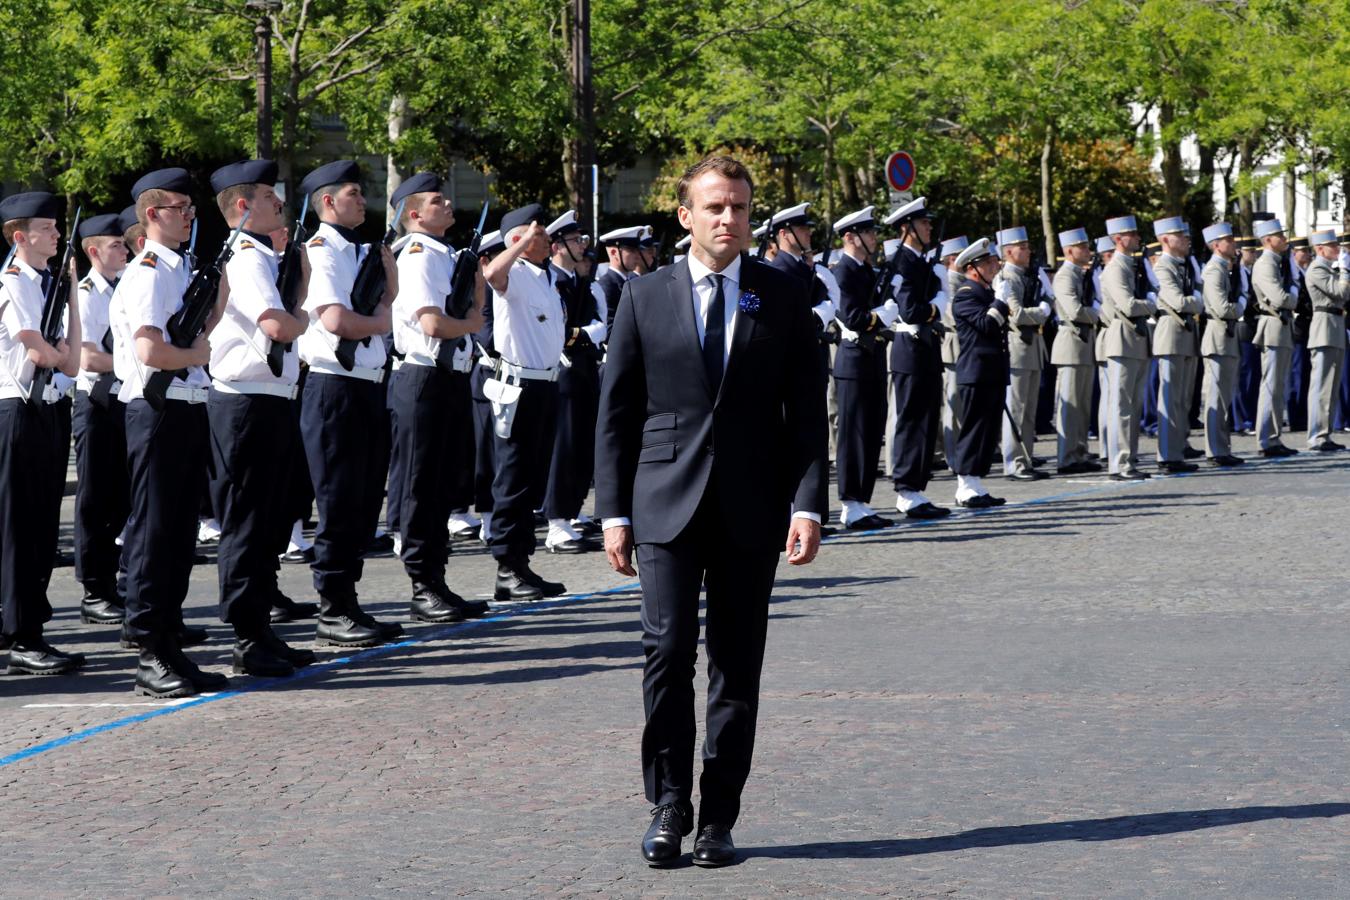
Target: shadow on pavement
1112	829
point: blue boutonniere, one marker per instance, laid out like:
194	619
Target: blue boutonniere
749	303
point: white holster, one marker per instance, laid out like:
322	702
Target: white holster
504	392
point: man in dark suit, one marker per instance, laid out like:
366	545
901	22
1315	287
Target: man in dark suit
982	372
712	428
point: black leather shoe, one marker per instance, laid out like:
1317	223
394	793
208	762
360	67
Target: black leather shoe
1223	462
253	657
201	681
1132	475
979	501
567	547
870	523
1176	468
512	587
337	627
1079	468
1189	452
464	534
927	511
713	847
101	611
1277	451
380	544
589	528
550	588
157	677
37	657
1027	475
284	609
436	603
661	843
940	465
1329	447
188	636
1039	460
388	630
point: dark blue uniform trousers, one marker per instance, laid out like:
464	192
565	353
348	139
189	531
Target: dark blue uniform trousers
30	507
520	460
861	429
573	464
102	498
918	399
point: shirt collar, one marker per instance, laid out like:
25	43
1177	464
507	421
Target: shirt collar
26	270
99	281
431	242
699	272
336	235
171	258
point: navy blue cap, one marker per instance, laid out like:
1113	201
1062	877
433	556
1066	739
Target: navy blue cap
421	183
127	217
175	179
98	226
343	171
30	205
250	171
523	216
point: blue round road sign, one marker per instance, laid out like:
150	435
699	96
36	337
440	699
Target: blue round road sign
900	171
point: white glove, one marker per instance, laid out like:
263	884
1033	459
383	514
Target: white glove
825	311
1044	307
887	312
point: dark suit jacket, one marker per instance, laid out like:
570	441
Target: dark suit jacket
921	355
661	434
865	357
983	358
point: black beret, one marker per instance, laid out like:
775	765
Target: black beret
343	171
176	180
98	226
30	205
250	171
421	183
127	217
523	216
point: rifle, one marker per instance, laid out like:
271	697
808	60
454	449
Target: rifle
53	313
368	290
462	284
765	238
288	285
185	325
191	255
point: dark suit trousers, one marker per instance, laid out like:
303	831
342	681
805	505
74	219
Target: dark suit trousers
431	408
573	464
344	425
738	588
520	460
101	494
166	459
917	404
393	492
1249	386
981	429
485	456
862	426
250	452
1296	391
30	510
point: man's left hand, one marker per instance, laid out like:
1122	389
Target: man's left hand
803	541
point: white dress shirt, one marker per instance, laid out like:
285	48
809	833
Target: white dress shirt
149	293
529	324
238	346
333	264
426	266
22	299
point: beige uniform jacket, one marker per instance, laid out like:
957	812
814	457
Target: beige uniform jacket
1127	335
1271	297
1221	330
1077	320
1026	346
1330	292
1178	309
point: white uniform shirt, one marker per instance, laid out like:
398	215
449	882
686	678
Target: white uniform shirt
95	293
22	300
238	346
529	325
425	268
148	294
333	264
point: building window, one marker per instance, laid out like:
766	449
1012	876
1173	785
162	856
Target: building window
1324	198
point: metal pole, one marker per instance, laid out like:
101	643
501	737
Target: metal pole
595	202
262	32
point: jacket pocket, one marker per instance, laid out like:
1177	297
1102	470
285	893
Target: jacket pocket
657	453
659	422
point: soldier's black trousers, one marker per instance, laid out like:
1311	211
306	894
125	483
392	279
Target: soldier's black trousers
30	507
102	498
485	456
918	400
862	427
981	429
250	453
573	463
166	461
520	459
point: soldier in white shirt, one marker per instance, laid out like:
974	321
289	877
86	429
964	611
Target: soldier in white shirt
32	472
529	331
167	447
430	398
249	412
342	412
101	495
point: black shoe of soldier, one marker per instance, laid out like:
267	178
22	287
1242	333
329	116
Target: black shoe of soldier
37	657
284	609
158	677
252	656
512	586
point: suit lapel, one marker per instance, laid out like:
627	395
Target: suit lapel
744	327
682	298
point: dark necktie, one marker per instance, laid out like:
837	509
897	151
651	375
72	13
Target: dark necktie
46	281
714	340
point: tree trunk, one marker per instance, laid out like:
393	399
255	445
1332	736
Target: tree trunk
1202	207
1047	151
398	121
1345	200
789	171
848	186
579	151
1245	153
1174	179
1290	201
826	181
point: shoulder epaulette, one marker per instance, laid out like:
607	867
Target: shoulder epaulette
416	247
87	284
12	270
150	259
317	242
245	244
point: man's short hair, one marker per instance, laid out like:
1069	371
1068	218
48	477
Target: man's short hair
97	240
415	203
316	198
147	199
225	199
132	235
14	225
722	165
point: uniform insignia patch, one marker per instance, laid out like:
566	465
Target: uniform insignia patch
150	260
317	242
87	284
246	245
416	248
12	270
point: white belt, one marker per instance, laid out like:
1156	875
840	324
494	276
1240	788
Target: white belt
50	394
335	368
396	364
902	325
417	359
86	384
268	388
190	394
521	373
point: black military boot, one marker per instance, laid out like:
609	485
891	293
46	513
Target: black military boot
549	588
157	675
202	681
340	627
284	609
512	585
34	656
435	602
254	655
296	656
101	604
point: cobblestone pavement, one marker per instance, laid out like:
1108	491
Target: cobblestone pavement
1100	690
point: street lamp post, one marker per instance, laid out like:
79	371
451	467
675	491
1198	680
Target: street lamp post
262	33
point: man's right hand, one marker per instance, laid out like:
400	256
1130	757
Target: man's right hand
619	549
201	351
